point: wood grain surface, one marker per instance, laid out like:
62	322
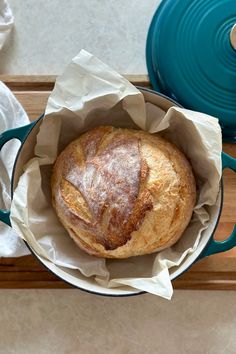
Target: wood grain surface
214	272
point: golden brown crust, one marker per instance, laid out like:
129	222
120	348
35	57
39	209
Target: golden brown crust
121	192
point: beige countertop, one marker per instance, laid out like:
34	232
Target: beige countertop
48	34
73	322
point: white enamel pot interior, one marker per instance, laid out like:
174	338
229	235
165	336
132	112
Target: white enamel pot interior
74	277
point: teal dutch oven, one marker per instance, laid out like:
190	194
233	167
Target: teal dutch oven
208	246
191	57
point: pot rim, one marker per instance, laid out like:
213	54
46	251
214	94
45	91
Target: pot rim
221	191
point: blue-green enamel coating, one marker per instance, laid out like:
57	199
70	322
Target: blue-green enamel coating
190	58
217	246
228	162
20	134
17	133
5	217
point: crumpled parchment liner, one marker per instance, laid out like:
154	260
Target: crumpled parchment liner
88	94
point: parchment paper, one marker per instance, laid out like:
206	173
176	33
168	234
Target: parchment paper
87	94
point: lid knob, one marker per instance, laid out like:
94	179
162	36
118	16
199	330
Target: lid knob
233	37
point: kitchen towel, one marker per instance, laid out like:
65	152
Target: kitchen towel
12	115
6	21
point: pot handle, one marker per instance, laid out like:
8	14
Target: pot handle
20	134
222	246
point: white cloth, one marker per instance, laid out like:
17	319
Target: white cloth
6	21
12	115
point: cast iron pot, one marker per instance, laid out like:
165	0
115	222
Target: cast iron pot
208	246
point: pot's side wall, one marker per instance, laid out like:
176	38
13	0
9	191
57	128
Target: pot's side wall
74	277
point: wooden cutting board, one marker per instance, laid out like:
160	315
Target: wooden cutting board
214	272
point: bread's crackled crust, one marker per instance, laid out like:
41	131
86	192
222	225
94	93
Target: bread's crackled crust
121	192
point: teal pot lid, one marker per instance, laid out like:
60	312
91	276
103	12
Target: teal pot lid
191	56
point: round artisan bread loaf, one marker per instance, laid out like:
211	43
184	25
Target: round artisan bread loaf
121	192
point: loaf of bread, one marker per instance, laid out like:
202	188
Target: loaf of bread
122	192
